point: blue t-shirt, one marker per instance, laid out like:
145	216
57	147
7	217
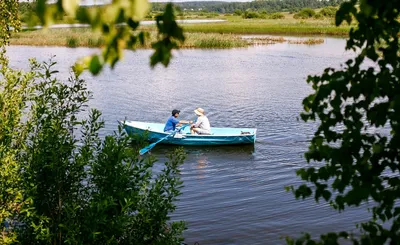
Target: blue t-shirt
171	124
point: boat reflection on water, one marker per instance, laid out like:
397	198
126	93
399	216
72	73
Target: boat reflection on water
230	150
203	161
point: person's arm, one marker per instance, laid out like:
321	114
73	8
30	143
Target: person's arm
185	122
198	122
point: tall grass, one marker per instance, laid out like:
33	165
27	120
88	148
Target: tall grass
69	37
309	41
214	40
83	37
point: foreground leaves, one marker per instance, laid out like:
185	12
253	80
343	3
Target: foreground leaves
358	139
118	23
9	23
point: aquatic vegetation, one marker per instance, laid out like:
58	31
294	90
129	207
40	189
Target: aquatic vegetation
309	41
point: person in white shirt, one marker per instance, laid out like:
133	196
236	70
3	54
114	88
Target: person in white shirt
202	125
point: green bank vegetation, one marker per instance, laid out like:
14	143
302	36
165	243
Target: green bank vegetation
286	26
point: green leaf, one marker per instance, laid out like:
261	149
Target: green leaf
70	6
95	65
139	9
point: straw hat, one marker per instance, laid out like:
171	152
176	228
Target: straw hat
199	111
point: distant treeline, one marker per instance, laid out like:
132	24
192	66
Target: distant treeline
269	6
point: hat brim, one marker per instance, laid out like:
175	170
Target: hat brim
198	113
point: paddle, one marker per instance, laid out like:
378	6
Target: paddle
149	147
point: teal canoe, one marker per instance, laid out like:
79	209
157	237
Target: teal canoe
218	136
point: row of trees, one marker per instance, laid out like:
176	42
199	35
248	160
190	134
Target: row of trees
306	13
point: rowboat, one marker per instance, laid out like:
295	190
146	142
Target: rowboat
219	136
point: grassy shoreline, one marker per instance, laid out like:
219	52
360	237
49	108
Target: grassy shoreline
226	34
288	26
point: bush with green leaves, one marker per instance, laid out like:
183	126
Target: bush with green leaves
238	12
355	151
248	14
61	183
318	16
276	16
304	13
328	12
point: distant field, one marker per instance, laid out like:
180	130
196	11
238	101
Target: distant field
286	26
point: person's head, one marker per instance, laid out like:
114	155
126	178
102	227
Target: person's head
175	112
199	112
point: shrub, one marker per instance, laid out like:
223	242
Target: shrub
64	184
250	15
318	16
304	13
238	12
276	16
328	11
27	12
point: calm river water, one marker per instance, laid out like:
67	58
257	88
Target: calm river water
232	195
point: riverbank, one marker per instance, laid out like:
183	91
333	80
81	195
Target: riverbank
216	34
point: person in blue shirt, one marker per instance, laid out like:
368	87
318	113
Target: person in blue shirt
172	121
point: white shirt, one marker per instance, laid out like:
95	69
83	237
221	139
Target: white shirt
203	123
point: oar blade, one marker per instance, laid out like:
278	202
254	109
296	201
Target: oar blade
149	147
146	149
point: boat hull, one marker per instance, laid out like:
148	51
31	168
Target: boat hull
219	136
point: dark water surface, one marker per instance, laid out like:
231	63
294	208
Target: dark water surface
232	195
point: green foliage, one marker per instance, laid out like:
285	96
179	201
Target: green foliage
276	16
15	89
219	42
169	33
27	12
104	19
318	16
305	13
72	42
62	183
248	14
9	23
358	137
238	12
328	11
